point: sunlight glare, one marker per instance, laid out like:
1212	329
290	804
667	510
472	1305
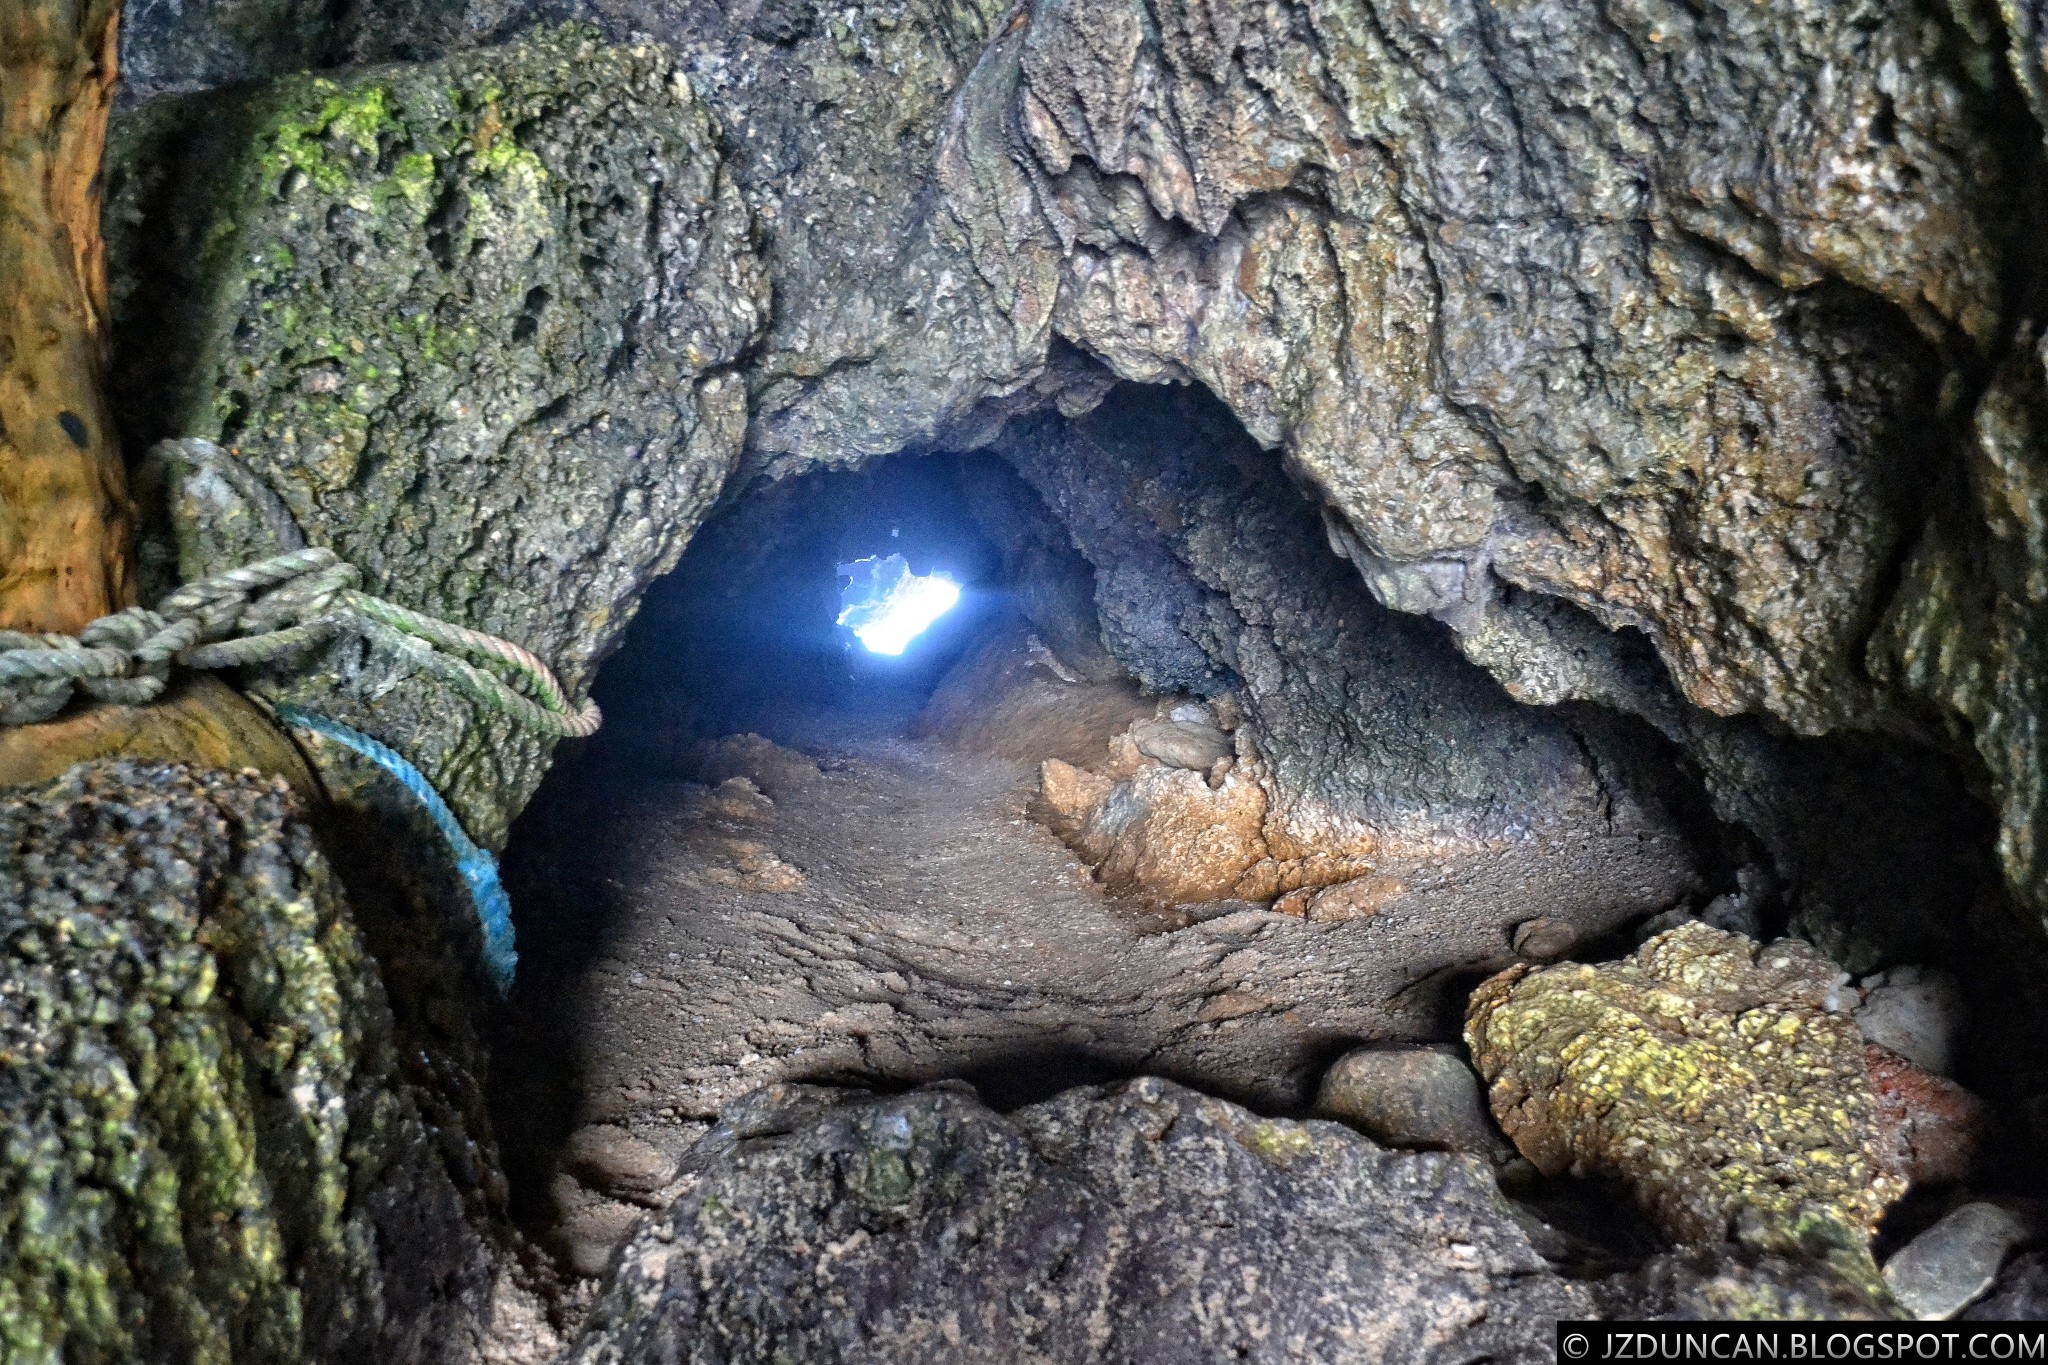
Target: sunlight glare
887	606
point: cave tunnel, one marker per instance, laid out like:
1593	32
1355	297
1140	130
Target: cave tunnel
1167	792
746	630
1314	684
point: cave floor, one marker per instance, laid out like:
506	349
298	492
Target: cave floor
885	912
856	906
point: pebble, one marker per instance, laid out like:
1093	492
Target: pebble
1952	1264
612	1161
1544	940
1412	1097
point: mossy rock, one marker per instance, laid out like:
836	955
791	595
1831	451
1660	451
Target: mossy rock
1707	1073
475	321
207	1152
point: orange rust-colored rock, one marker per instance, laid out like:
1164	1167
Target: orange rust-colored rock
1185	841
1931	1127
1172	835
1359	898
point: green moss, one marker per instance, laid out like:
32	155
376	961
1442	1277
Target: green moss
1281	1144
414	177
886	1177
1707	1074
176	1157
360	117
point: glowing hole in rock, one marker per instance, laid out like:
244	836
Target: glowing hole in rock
887	606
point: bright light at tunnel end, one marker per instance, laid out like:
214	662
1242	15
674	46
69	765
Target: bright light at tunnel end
886	606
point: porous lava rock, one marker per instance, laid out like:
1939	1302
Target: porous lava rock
1447	257
1967	632
208	1154
1135	1222
1716	1077
475	322
1639	348
1368	745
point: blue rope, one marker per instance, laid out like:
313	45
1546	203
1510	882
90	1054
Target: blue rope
479	870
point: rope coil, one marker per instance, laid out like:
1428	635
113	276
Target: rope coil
263	612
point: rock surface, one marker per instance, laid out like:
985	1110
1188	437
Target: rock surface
1952	1264
1739	1283
1311	217
1368	746
1373	241
1139	1222
1411	1097
614	1162
1370	239
475	322
1706	1072
938	932
1917	1012
2020	1294
1931	1127
208	1152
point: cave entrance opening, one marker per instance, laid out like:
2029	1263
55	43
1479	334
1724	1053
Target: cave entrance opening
886	606
797	809
843	594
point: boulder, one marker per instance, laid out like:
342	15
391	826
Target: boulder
475	322
1133	1222
1191	744
209	1153
1917	1012
1952	1264
1709	1074
2020	1293
1931	1127
1411	1097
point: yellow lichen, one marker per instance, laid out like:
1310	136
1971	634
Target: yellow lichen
1706	1072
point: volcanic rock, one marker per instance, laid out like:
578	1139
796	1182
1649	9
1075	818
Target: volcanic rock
522	280
1952	1264
1122	1223
1411	1097
1707	1073
209	1147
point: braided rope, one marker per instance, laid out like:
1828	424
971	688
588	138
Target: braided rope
263	612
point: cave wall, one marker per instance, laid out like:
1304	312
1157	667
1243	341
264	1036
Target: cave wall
1677	357
1213	575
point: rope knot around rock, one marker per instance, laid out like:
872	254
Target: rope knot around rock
258	614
